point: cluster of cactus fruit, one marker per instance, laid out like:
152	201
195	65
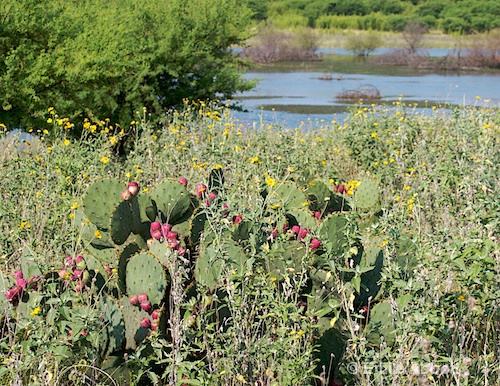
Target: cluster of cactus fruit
129	234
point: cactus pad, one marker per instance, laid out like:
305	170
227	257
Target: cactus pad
145	273
286	195
172	200
132	316
366	195
100	200
332	232
115	326
318	195
121	223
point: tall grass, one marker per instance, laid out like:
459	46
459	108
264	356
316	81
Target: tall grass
438	176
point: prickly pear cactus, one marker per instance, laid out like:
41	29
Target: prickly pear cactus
145	273
366	196
286	258
101	199
132	316
89	232
215	180
301	217
29	264
371	263
332	232
319	195
121	223
286	195
173	200
381	323
115	326
216	261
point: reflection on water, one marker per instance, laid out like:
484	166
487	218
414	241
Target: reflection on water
293	98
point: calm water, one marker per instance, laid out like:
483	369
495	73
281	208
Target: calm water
293	98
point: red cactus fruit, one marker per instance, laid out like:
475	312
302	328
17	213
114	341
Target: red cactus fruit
155	229
237	219
183	181
171	235
143	297
146	306
303	233
201	190
69	262
21	283
155	314
133	188
126	195
317	215
18	275
314	244
295	229
134	300
80	262
146	323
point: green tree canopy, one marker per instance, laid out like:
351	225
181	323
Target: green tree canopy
108	59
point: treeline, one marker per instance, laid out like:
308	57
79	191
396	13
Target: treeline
451	16
110	59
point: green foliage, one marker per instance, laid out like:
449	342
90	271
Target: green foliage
413	284
383	15
114	58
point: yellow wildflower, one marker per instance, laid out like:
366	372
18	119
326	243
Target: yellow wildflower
49	120
98	234
66	142
36	311
270	181
104	159
254	160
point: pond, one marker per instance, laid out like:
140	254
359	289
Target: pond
296	99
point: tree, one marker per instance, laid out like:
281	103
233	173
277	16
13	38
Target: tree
108	59
362	44
413	34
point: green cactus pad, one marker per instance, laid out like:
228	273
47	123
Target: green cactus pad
372	257
145	273
29	263
172	200
121	223
381	323
161	252
318	195
285	258
100	274
115	325
4	286
286	195
366	195
215	261
89	231
100	200
243	231
302	218
130	250
215	180
105	255
182	228
140	217
198	222
332	233
132	316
